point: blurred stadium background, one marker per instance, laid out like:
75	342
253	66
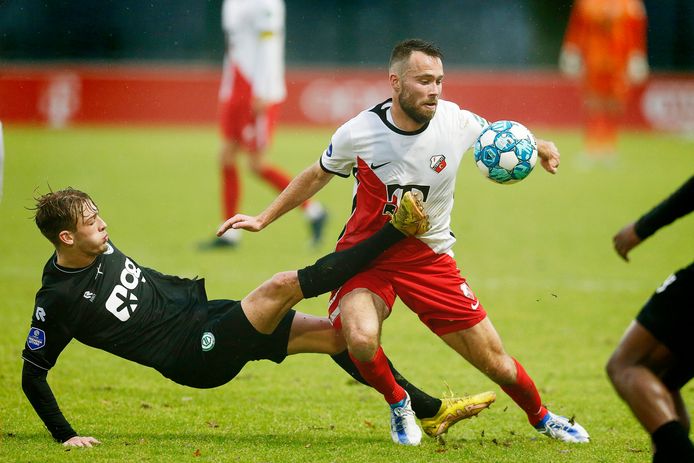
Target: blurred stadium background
160	61
127	78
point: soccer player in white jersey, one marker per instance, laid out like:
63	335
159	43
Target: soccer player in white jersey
250	95
412	142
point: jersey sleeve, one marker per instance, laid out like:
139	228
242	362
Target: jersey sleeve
678	204
339	157
49	332
472	124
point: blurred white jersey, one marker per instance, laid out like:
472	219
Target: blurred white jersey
254	32
387	162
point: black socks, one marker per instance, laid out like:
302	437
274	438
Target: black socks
672	444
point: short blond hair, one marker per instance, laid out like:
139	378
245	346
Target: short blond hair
60	210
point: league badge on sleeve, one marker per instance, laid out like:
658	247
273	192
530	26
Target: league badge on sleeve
36	339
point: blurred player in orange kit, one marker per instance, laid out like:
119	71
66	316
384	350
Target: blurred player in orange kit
250	95
605	45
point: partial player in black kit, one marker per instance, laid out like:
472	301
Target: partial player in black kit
653	361
94	293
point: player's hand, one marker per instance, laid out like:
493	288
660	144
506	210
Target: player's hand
241	221
80	441
626	240
549	155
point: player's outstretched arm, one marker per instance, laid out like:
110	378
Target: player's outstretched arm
303	187
549	155
266	305
332	271
41	397
678	204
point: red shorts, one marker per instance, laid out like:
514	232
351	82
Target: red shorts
429	284
239	123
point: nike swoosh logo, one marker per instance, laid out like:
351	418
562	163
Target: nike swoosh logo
476	304
378	166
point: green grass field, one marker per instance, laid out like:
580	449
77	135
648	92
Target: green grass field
538	254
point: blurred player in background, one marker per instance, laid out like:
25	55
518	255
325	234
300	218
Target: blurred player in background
654	358
412	142
605	46
251	92
94	293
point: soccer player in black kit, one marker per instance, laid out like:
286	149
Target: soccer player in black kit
94	293
653	361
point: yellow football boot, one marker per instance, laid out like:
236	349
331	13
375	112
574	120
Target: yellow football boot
410	218
454	409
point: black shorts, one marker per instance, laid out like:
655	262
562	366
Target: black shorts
669	315
227	342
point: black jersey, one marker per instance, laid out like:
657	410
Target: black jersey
116	305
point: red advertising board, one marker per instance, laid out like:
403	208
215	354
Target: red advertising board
61	95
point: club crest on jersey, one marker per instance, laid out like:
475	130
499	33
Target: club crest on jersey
36	339
437	163
207	341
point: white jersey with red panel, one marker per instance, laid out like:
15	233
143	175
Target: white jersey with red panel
387	162
255	47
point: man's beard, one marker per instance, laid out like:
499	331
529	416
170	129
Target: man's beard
412	111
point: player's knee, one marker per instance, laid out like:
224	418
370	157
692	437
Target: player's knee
283	282
337	343
363	345
614	367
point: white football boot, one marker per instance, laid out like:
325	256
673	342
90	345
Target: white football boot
403	424
561	428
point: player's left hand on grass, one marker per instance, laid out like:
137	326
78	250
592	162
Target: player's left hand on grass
626	240
549	155
80	441
240	221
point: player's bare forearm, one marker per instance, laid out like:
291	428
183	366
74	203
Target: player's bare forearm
303	187
549	155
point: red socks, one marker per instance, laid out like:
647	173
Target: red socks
377	373
525	394
275	177
231	186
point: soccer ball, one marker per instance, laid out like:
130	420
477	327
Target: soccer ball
506	152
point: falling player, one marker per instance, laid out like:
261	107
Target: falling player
94	293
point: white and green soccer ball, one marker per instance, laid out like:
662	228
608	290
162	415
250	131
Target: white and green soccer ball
505	152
